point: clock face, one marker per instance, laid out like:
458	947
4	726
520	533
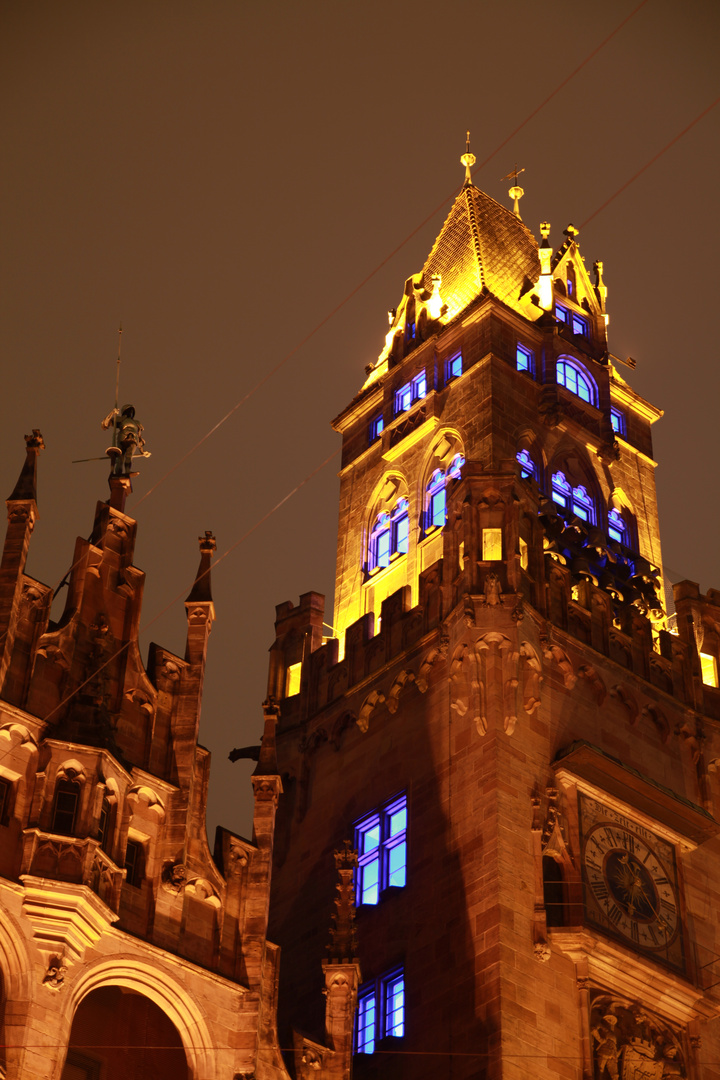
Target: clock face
631	887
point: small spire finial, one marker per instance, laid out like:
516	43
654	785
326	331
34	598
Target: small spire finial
571	232
516	192
468	160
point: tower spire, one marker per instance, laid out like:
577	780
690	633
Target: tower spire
516	192
468	160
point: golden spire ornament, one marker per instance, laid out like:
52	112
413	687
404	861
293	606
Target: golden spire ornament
468	160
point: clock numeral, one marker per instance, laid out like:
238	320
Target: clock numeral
652	934
668	906
635	932
661	881
593	866
614	914
630	842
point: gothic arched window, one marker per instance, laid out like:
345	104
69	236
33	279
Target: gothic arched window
528	468
577	380
436	511
573	500
389	536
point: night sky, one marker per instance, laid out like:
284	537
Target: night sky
220	176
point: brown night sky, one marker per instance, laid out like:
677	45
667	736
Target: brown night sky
219	176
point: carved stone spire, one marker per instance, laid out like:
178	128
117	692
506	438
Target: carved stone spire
26	488
201	591
343	933
199	605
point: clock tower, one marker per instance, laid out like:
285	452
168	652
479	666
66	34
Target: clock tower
516	734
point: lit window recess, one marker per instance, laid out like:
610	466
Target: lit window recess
528	470
134	863
389	537
453	367
708	666
381	844
436	511
292	679
523	554
617	529
492	545
411	392
573	500
617	419
575	379
577	324
525	360
381	1011
376	427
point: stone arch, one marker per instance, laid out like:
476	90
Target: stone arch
18	737
17	972
159	986
447	443
527	438
579	472
141	793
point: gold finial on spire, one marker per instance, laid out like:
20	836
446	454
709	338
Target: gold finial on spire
515	192
468	160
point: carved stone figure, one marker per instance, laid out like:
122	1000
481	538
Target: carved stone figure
128	441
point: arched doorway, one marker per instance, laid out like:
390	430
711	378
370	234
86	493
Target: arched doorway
118	1034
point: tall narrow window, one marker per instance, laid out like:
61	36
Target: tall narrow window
104	825
617	529
400	527
411	392
376	427
708	667
436	500
380	543
293	677
134	863
381	843
575	379
617	419
453	367
561	491
67	797
525	360
381	1011
389	536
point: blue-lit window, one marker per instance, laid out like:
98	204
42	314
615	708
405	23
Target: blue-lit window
576	322
376	426
389	536
528	469
381	1011
436	511
410	331
453	367
436	500
617	529
381	843
575	379
617	419
573	500
411	392
525	360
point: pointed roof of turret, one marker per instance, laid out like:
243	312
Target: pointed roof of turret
482	244
26	488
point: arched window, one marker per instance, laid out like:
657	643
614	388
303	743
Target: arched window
571	280
436	512
617	528
573	500
577	380
389	536
528	468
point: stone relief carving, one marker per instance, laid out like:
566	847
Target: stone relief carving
629	1043
54	977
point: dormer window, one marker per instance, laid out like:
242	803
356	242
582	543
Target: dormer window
410	331
67	798
577	380
572	320
571	281
411	392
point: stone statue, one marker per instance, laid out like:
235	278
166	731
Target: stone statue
128	441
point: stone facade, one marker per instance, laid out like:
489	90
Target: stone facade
126	947
509	669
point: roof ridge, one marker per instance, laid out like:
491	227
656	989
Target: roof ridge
474	231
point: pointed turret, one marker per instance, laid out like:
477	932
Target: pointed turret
199	604
22	515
